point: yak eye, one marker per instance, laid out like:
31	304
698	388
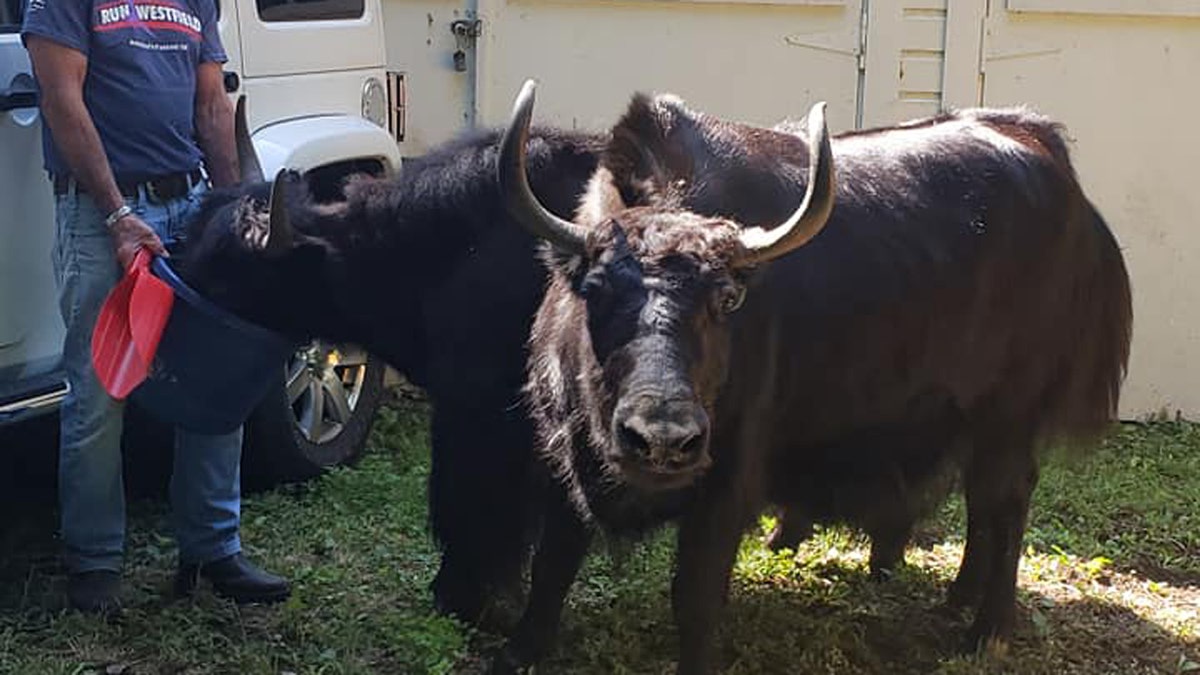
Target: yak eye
730	297
595	284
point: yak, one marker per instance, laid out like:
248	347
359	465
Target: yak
427	271
424	270
739	318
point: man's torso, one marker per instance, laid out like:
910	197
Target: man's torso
141	79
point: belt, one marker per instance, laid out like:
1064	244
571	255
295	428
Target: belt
159	188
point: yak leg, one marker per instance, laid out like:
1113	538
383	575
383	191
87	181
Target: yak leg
563	547
967	588
479	498
1000	481
707	548
888	541
791	529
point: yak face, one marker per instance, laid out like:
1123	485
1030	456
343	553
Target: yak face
234	259
657	289
658	282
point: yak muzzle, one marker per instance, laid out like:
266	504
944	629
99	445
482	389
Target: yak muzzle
663	439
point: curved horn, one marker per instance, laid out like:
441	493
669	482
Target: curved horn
764	245
248	165
518	197
279	227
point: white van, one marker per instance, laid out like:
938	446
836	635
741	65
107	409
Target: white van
319	100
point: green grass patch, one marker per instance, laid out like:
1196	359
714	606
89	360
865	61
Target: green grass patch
1134	503
1110	584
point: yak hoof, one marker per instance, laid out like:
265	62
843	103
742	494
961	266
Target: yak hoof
474	605
993	647
457	595
961	596
951	611
881	575
469	612
775	541
987	643
506	662
996	647
787	535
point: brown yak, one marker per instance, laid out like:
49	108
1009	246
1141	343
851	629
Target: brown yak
947	300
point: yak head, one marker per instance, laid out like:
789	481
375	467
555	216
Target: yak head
246	253
650	288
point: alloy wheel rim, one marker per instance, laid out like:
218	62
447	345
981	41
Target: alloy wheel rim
324	384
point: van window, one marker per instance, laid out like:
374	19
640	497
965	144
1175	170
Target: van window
10	15
310	10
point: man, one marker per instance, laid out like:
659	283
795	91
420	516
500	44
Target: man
137	122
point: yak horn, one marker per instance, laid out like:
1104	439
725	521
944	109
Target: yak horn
519	199
279	226
251	171
765	245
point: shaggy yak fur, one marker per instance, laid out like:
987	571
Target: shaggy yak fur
425	271
963	308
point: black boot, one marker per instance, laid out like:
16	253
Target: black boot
235	578
95	592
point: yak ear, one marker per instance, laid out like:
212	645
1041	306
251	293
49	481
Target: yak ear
649	157
251	222
262	217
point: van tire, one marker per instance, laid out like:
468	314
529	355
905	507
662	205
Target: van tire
276	450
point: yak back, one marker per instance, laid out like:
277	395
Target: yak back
425	268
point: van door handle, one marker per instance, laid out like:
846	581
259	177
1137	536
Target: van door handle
15	98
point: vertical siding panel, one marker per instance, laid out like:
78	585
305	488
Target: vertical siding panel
962	82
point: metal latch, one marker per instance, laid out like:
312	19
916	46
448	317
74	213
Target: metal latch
397	95
466	32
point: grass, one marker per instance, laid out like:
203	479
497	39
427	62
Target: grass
1110	584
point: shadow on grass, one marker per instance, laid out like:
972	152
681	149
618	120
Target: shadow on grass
831	618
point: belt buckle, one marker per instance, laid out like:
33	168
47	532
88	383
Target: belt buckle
152	192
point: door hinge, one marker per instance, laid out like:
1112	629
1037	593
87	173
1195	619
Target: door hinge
863	21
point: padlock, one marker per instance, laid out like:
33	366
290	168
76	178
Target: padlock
460	60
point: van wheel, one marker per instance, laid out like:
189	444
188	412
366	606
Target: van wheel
317	416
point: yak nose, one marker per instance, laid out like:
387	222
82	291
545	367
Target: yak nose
666	434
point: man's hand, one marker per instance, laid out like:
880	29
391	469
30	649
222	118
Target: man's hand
131	233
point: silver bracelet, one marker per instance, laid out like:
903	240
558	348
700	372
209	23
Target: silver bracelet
116	215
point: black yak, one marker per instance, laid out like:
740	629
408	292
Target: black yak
424	270
738	318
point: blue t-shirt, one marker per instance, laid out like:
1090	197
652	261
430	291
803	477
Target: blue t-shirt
141	80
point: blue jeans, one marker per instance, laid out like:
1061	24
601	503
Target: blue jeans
205	488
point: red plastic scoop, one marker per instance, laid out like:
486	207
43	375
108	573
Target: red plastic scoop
131	322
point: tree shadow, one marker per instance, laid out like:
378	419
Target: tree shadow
832	618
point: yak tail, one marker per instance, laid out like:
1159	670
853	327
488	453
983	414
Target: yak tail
1117	313
1099	364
